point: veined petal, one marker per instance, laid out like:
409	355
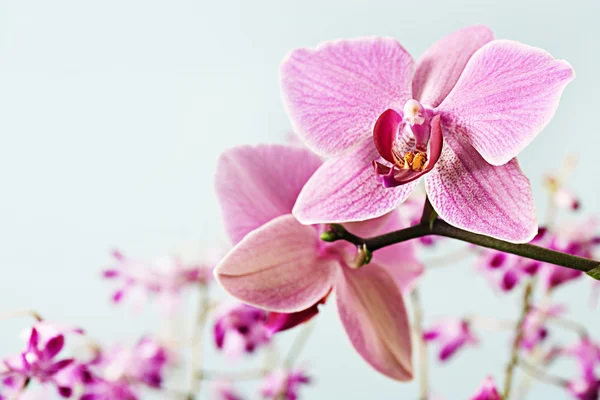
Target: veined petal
346	188
439	68
385	132
471	194
506	95
373	313
277	267
334	94
54	346
257	184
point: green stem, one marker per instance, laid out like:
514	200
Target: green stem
514	354
439	227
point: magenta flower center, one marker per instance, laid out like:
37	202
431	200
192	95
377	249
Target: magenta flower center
409	157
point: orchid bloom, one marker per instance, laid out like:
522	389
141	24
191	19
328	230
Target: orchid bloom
534	325
560	196
452	334
580	239
281	265
587	355
584	388
240	328
283	384
143	364
458	119
487	391
224	390
38	361
165	278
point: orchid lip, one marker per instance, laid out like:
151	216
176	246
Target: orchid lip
413	164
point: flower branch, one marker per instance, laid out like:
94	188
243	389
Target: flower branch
439	227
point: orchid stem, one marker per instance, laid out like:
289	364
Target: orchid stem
514	356
21	313
541	375
441	228
421	345
197	344
298	345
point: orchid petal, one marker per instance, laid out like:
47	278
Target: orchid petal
506	95
54	346
346	189
471	194
385	132
373	313
34	339
278	267
440	66
257	184
334	94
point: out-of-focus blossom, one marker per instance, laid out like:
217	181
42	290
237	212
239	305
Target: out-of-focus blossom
451	334
101	389
284	384
38	361
580	239
467	107
534	325
584	388
165	278
487	391
143	364
505	271
282	266
224	390
587	355
240	328
560	196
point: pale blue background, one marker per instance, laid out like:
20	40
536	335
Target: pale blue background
112	114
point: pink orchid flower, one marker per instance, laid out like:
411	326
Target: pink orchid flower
281	265
587	355
166	278
487	391
584	388
38	361
224	390
284	384
458	119
534	325
452	334
239	329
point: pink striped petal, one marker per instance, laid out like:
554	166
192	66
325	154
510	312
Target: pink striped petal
256	184
469	193
347	189
278	267
506	95
373	313
335	93
385	132
439	68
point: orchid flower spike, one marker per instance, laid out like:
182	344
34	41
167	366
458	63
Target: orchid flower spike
457	119
282	266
